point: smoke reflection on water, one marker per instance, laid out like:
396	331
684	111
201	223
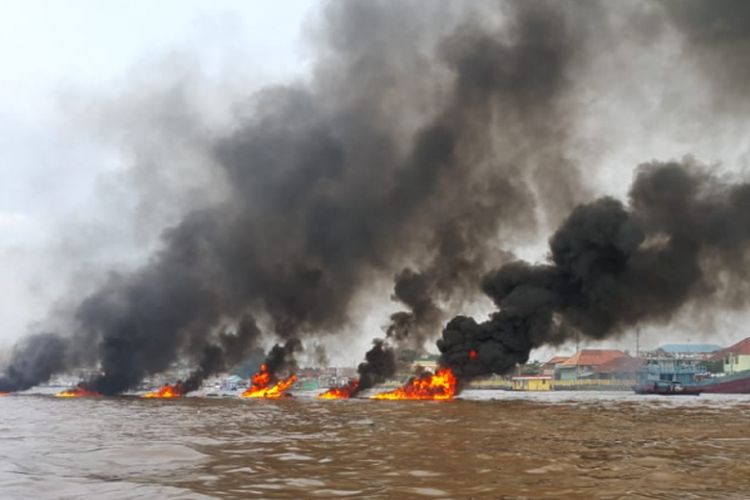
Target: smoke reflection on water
490	444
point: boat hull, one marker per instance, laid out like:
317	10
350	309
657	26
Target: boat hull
687	391
731	384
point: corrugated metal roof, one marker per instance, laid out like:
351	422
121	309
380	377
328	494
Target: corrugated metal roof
690	348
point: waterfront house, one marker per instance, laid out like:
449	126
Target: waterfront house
736	357
585	364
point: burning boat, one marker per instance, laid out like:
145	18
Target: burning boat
439	386
265	385
167	391
79	391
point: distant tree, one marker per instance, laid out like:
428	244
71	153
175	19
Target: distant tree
533	368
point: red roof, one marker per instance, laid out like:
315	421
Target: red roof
741	347
593	357
556	360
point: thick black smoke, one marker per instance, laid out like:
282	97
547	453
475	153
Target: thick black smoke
416	144
229	349
281	357
684	239
34	359
379	365
426	135
424	316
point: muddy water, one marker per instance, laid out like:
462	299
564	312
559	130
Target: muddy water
489	445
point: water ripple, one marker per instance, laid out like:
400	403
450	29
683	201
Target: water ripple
489	444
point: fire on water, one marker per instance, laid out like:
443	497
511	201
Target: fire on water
78	391
438	386
343	392
262	387
4	394
167	391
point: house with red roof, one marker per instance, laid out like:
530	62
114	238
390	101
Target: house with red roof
548	367
736	357
587	363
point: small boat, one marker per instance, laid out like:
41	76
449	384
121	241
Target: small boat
667	388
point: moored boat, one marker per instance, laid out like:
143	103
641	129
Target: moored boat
734	383
691	375
667	388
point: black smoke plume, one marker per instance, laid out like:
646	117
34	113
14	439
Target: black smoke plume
230	349
683	239
415	145
379	365
415	326
281	357
427	136
36	358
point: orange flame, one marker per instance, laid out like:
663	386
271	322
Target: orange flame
78	391
167	391
262	387
439	386
2	394
343	392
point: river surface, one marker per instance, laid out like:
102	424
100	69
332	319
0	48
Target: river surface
490	444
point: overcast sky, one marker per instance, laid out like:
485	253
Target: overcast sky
65	65
51	54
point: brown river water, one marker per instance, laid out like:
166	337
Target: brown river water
490	444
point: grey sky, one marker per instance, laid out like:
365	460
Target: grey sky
54	53
64	65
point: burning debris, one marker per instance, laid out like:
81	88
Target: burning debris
167	391
439	386
79	391
343	392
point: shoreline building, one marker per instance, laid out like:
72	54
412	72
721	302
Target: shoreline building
587	364
686	351
736	358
